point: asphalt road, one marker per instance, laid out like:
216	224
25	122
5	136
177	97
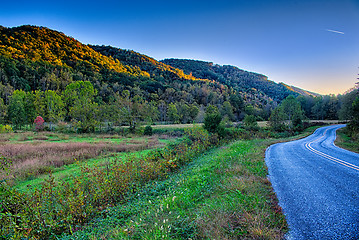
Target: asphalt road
317	185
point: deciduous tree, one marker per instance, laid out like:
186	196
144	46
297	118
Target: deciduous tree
17	114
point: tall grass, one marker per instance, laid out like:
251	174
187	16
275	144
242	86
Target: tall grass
61	207
33	159
223	194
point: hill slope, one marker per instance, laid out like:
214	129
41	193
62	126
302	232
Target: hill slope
38	58
232	76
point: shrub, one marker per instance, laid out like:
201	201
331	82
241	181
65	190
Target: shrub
212	122
58	208
39	123
250	123
62	127
148	131
5	128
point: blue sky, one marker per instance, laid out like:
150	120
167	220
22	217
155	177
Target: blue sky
290	41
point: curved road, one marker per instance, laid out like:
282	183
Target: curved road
317	185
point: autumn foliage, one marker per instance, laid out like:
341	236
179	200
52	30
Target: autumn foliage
39	123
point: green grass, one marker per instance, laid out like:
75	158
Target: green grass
63	172
224	194
346	142
72	137
70	171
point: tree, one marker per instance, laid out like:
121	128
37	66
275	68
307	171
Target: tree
39	123
39	102
227	110
292	110
54	107
193	112
131	109
250	122
151	113
79	97
276	120
3	111
172	113
30	108
353	125
162	108
17	114
212	120
183	111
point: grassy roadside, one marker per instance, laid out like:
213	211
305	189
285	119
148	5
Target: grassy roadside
224	194
203	185
344	141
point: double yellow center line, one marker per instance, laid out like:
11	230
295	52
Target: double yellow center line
334	159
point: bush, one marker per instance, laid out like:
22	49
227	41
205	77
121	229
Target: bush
58	208
250	123
148	131
39	123
5	128
212	122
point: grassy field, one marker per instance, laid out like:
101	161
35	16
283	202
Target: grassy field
33	155
224	194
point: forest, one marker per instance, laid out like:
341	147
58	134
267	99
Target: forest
46	73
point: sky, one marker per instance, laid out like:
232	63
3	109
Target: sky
311	44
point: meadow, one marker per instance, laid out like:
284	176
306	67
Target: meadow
154	187
30	155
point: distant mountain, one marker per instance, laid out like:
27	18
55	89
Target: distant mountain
234	77
300	91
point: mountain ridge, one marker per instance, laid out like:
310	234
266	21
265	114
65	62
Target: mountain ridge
38	58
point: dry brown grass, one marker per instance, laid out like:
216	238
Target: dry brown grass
32	159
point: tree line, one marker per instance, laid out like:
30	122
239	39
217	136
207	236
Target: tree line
81	105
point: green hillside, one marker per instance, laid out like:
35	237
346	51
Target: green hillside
40	59
239	79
